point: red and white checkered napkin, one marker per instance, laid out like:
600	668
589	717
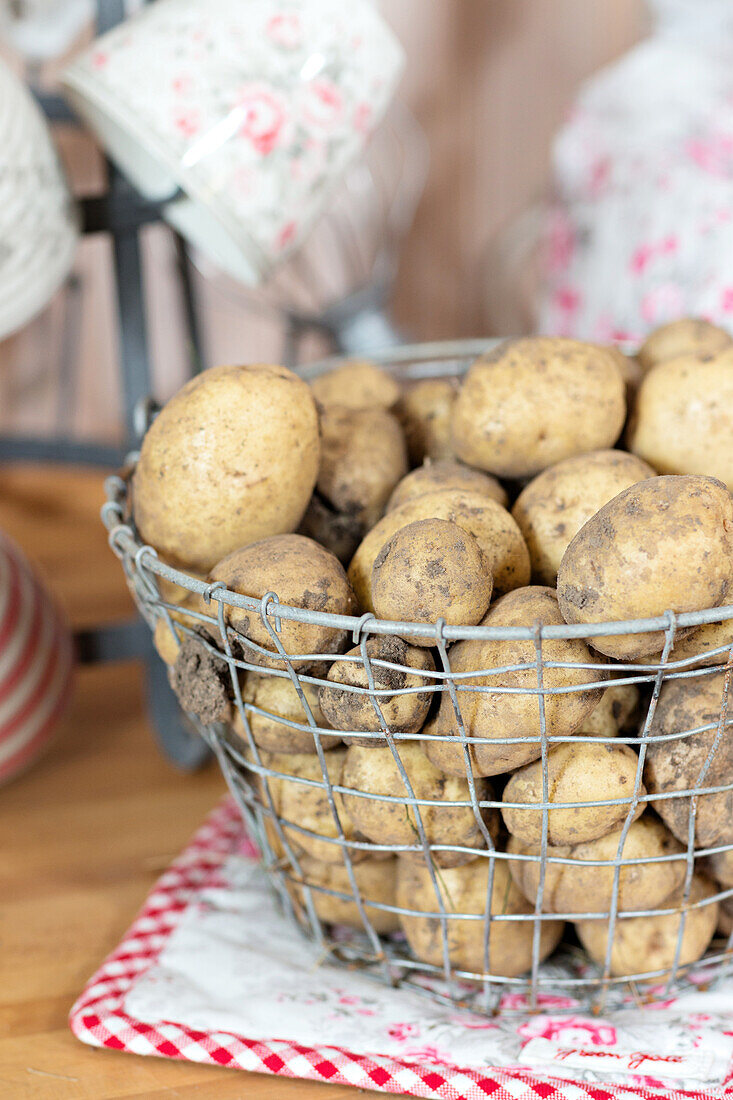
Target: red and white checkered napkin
211	972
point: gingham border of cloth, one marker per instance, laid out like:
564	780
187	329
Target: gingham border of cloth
99	1019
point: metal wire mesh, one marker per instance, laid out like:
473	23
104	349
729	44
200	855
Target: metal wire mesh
434	940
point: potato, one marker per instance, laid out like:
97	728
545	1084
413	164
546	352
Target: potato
337	532
725	917
302	574
614	713
232	458
376	881
554	506
645	945
431	569
532	402
281	701
585	887
681	421
446	474
630	368
698	648
165	640
719	867
585	773
374	771
301	804
493	528
491	714
688	336
424	410
688	704
404	711
663	544
464	889
356	384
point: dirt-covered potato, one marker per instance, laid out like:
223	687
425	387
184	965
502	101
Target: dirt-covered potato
645	945
554	506
405	704
532	402
725	917
376	881
431	569
585	887
614	714
665	544
446	474
698	648
424	410
464	889
719	866
231	458
493	528
167	641
302	806
356	384
374	771
302	574
583	773
676	765
688	336
502	714
281	702
681	420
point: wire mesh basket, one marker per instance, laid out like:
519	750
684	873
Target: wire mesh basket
456	926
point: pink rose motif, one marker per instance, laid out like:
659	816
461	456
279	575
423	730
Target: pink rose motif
401	1032
99	59
726	299
348	999
286	235
187	123
426	1054
714	154
518	1001
323	105
571	1029
285	30
560	242
263	117
662	303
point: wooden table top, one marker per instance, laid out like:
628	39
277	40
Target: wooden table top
86	832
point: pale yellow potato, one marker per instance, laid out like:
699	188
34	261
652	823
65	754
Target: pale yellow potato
719	867
403	712
663	544
630	368
167	641
356	384
375	771
558	502
532	402
232	458
681	421
424	410
464	889
688	336
725	917
583	773
645	945
376	881
492	526
697	647
584	887
676	765
279	698
446	473
307	806
431	569
302	574
493	714
614	713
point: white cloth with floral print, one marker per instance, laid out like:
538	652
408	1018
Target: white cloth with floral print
236	964
642	229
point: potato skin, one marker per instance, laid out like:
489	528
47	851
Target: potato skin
493	528
403	713
231	458
719	867
687	704
431	569
695	648
302	574
647	944
688	336
532	402
424	410
500	715
280	699
554	506
446	474
166	644
663	544
376	880
464	889
585	772
356	384
614	713
375	771
681	421
585	888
